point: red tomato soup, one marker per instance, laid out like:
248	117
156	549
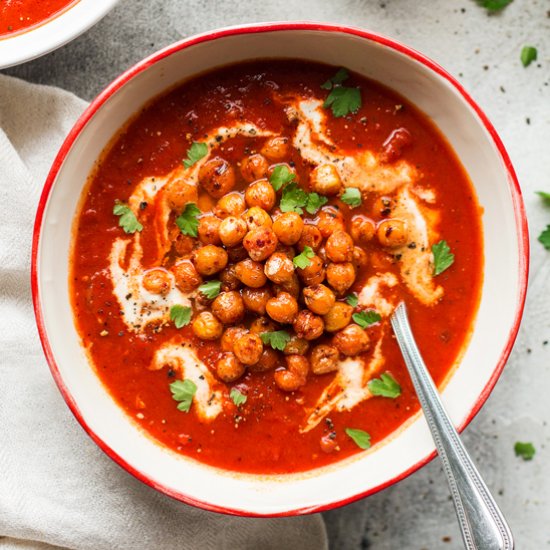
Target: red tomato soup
18	15
240	249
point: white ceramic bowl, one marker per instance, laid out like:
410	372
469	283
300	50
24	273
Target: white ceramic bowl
506	265
53	33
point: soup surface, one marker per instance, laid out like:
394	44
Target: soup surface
240	248
18	15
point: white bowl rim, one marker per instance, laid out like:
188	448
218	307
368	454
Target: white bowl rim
54	32
514	188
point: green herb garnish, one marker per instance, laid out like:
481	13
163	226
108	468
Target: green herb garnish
342	100
181	315
295	199
443	258
183	391
360	437
303	259
366	318
544	196
127	220
525	450
386	386
211	289
352	197
494	5
352	300
338	78
237	397
314	202
280	176
544	238
187	221
277	339
195	153
528	55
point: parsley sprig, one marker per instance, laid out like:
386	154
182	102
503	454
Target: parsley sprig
181	315
188	221
528	55
366	318
524	450
352	197
386	386
183	391
195	153
237	397
493	6
341	99
277	339
359	437
443	257
295	199
303	259
210	289
281	176
127	220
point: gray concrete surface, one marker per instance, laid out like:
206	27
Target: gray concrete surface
483	51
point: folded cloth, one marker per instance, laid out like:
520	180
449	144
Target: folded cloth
56	486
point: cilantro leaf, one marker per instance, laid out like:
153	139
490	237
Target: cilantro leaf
181	315
338	78
237	397
294	199
187	221
360	437
127	220
443	258
211	289
366	318
386	386
195	153
352	299
544	238
528	55
280	176
314	202
544	196
352	197
525	450
183	391
303	260
277	339
494	5
343	101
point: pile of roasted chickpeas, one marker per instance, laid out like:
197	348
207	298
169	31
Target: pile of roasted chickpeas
248	244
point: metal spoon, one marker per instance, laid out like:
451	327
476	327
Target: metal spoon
482	524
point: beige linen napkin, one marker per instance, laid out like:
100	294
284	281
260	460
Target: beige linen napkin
56	486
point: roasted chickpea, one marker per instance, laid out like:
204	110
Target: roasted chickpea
208	231
330	220
248	349
328	443
340	276
314	273
232	231
362	229
268	360
230	205
237	254
276	148
308	325
254	167
324	359
292	286
179	193
230	336
229	368
283	308
183	244
296	346
338	317
157	281
319	298
360	258
255	299
392	233
229	279
288	227
206	326
295	374
261	325
187	278
228	307
260	193
325	179
260	243
383	206
210	259
279	268
257	217
251	273
311	237
217	177
339	247
352	340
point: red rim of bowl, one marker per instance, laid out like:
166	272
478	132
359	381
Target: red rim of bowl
519	212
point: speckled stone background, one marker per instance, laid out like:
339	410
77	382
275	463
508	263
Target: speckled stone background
483	52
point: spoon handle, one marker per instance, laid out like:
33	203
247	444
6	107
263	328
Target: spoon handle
482	524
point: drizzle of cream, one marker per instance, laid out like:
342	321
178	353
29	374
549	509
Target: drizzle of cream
208	399
371	294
